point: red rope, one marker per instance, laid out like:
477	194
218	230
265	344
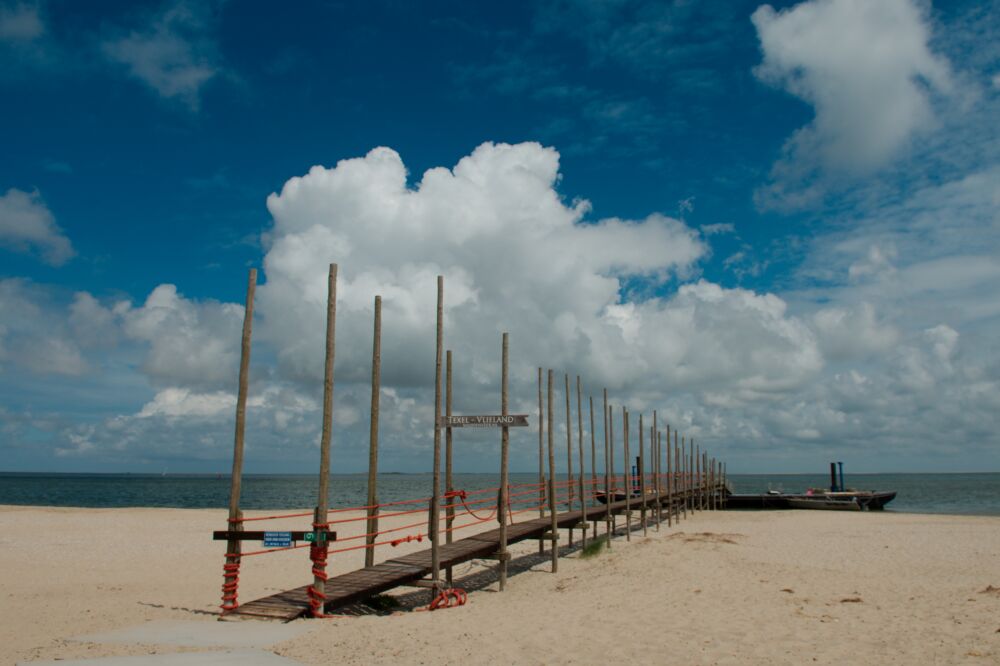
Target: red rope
444	599
231	580
318	554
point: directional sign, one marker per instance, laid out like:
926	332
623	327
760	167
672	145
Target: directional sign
492	421
277	539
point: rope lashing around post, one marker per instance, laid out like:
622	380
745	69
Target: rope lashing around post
318	554
231	581
445	598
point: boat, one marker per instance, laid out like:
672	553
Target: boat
823	502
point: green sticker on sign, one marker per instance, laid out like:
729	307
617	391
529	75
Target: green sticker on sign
310	536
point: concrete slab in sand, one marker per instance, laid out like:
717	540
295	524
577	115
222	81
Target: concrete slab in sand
223	658
243	634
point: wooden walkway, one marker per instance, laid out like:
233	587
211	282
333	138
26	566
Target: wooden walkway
365	583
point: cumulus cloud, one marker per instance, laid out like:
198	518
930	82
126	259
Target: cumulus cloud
33	332
514	254
190	344
174	54
786	381
867	70
27	225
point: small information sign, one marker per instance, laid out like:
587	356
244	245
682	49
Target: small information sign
277	539
487	421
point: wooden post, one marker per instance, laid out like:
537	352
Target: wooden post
502	554
449	479
434	520
593	463
628	477
541	464
569	459
684	476
608	470
371	528
554	524
642	477
579	444
235	523
655	452
322	506
670	480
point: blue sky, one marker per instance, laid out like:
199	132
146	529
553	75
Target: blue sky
775	224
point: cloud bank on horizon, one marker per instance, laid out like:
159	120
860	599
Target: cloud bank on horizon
882	347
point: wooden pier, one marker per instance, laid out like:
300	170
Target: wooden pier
692	481
367	582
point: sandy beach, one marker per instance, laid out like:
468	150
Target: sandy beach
720	588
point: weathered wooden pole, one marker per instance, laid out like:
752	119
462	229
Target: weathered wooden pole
579	445
541	464
502	554
235	523
628	477
323	502
655	450
684	476
569	459
614	479
605	416
671	486
554	524
593	463
449	480
642	477
371	528
434	521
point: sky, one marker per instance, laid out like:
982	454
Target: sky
777	225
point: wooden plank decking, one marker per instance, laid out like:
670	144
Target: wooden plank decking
364	583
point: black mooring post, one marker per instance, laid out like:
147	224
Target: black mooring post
843	486
833	477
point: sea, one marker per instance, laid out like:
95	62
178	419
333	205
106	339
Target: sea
962	494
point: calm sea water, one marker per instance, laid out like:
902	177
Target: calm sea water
918	493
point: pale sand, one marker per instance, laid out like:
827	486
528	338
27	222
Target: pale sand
724	587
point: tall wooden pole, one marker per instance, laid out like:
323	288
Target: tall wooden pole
235	524
670	480
554	524
605	416
593	463
579	444
372	525
628	477
322	505
541	464
569	458
434	520
655	452
502	554
610	413
642	476
684	476
449	479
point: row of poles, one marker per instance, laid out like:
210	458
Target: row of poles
689	474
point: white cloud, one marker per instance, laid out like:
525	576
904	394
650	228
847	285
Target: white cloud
515	257
785	380
190	344
27	225
867	70
33	333
719	228
20	22
174	55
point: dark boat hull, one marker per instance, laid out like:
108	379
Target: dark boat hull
872	501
